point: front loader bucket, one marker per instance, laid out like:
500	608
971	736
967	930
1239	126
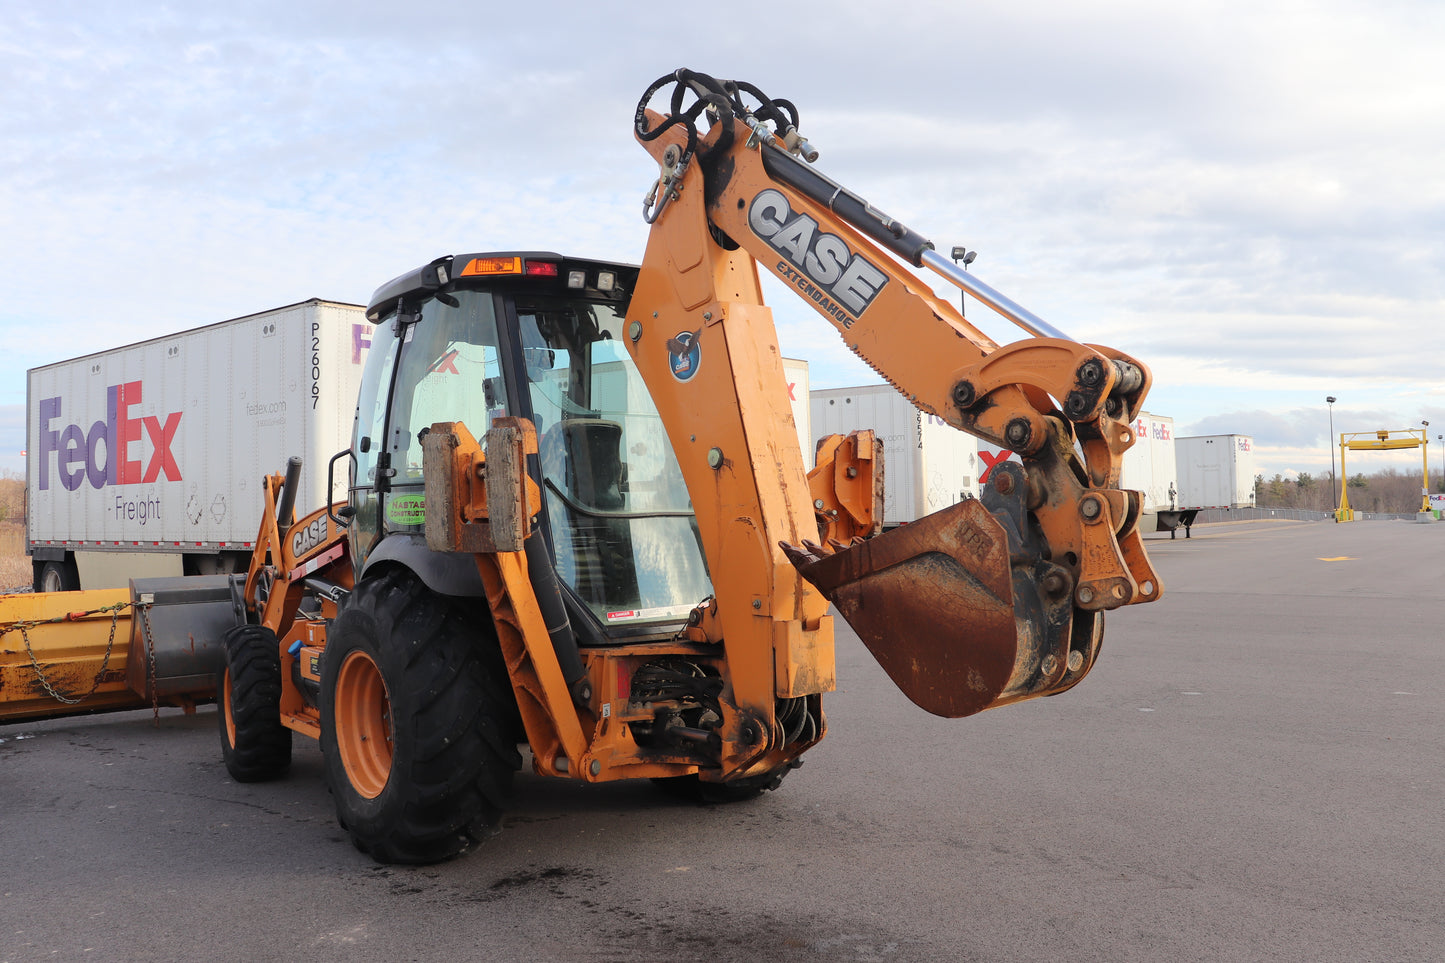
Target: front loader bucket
960	608
64	652
158	643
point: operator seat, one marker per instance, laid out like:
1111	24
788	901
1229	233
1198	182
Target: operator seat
596	474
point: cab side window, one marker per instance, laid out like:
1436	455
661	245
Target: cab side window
450	371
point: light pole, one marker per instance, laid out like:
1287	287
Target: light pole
1330	400
1425	457
962	255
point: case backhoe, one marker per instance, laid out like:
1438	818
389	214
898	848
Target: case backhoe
578	518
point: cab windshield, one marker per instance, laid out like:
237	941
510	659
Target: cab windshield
622	526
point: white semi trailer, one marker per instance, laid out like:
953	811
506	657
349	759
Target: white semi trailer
1215	471
927	464
1149	467
146	460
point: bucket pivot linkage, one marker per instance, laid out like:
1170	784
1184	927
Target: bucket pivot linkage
998	599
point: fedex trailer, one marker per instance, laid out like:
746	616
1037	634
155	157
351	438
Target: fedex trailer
1215	471
928	465
1149	468
147	460
796	371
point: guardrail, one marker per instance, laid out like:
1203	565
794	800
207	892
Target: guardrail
1292	514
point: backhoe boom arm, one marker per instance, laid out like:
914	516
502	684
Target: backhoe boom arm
1015	610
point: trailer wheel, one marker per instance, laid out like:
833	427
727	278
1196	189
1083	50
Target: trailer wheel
254	743
56	577
417	724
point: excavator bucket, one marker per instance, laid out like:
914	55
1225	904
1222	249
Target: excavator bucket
960	607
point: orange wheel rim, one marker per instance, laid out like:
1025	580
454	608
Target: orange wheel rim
226	709
363	724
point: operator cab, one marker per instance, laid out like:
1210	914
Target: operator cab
535	335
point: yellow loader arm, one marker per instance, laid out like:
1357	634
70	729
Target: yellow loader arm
982	604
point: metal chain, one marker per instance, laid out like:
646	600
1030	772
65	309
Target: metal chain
145	621
40	673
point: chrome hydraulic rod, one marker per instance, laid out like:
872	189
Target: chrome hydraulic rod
1001	303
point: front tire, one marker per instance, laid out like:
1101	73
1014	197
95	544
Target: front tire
416	722
254	743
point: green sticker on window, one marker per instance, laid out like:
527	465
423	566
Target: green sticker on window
406	509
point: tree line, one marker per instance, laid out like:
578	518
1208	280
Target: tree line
12	497
1386	490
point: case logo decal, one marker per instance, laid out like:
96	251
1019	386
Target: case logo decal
822	266
306	539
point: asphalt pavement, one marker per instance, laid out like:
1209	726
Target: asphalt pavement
1251	772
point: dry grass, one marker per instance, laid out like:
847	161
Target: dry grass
14	563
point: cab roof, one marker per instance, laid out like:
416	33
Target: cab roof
444	272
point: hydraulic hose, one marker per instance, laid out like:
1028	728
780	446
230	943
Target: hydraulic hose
554	614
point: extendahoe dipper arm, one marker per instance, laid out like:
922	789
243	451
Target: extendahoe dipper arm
1016	611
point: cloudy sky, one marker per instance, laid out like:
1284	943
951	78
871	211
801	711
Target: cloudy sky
1249	197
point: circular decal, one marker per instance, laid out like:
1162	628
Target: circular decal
684	354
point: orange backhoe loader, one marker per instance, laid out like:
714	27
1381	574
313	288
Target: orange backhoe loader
578	518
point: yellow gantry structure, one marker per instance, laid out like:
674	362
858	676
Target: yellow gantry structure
1385	440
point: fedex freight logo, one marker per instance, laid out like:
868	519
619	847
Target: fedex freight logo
821	266
1244	444
109	453
360	340
990	459
1156	430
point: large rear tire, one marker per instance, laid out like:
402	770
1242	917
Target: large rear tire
254	743
417	722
